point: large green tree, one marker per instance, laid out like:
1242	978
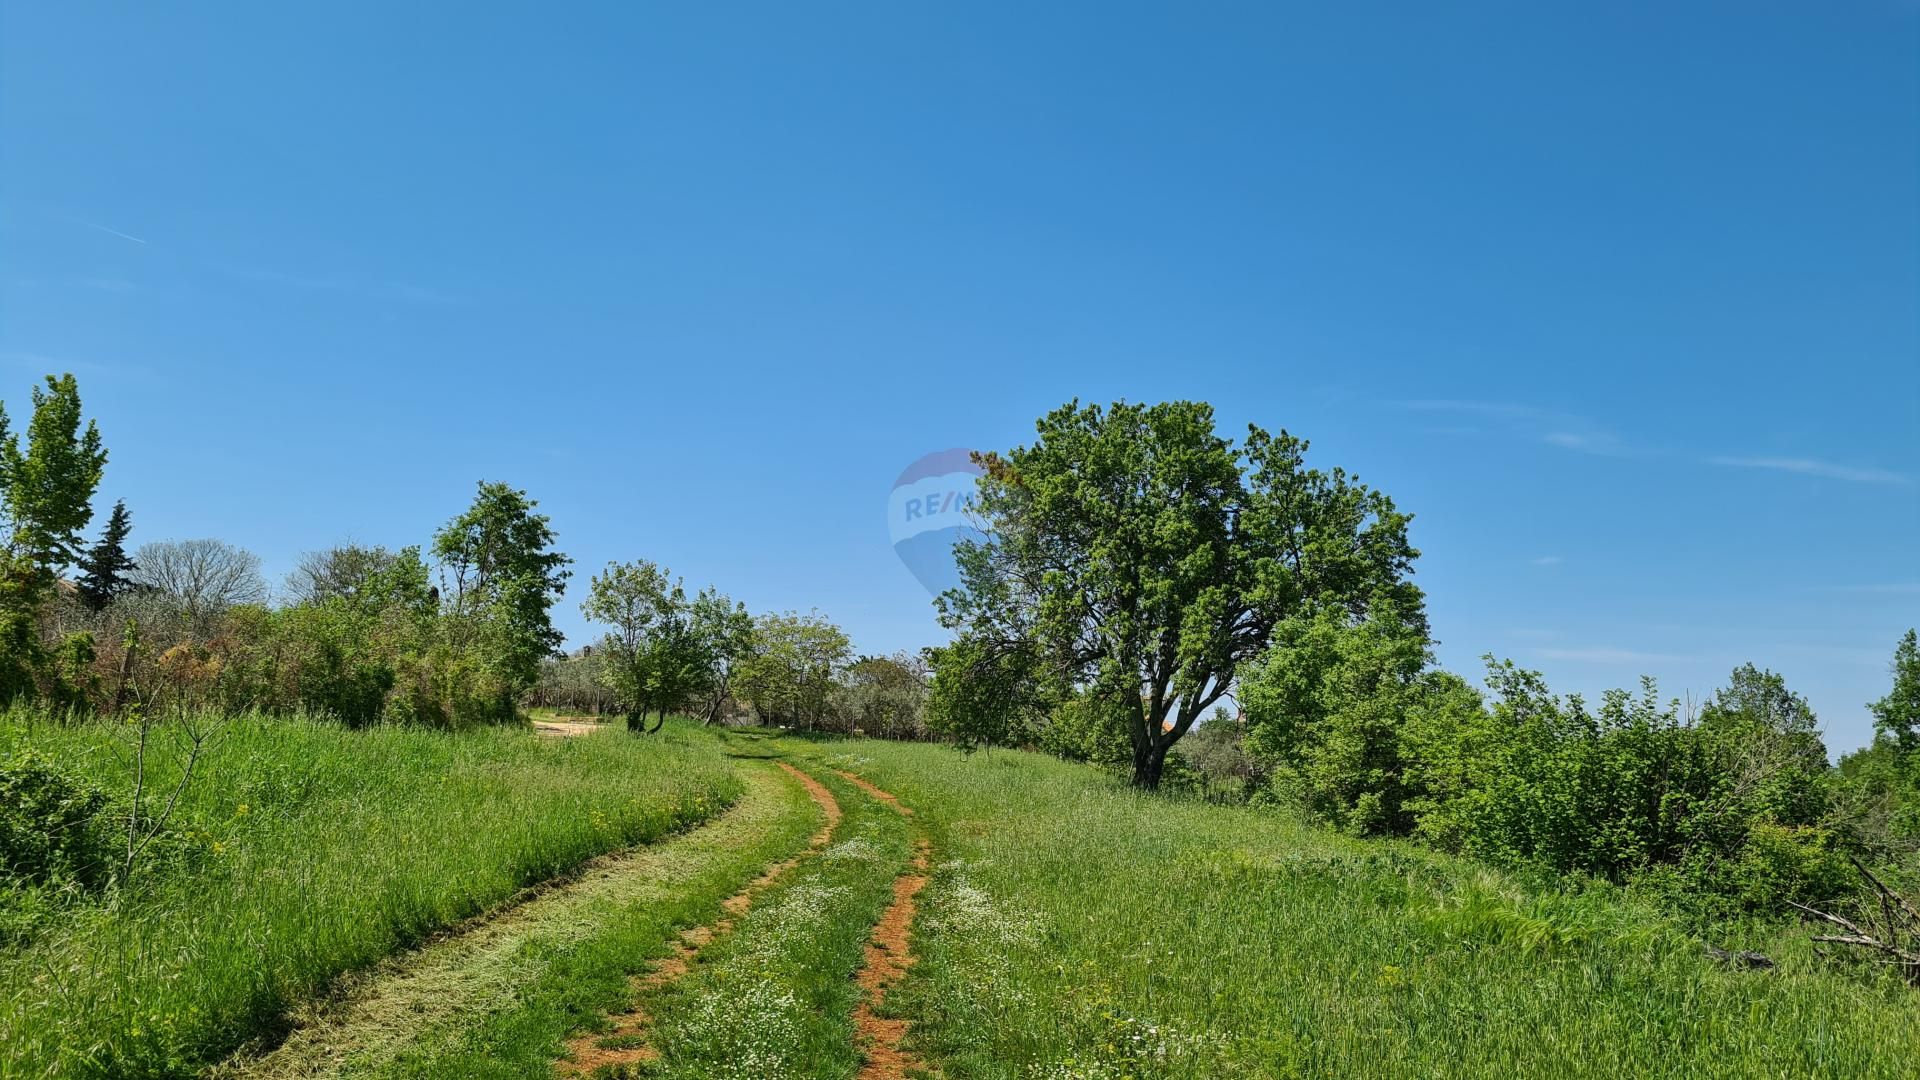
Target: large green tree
502	578
1147	558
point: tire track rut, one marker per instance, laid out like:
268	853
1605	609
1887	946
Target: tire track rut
888	955
626	1043
377	1014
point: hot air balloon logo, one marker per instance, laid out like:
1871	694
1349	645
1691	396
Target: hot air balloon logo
929	511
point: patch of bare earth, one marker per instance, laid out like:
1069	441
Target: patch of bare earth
888	955
625	1044
565	729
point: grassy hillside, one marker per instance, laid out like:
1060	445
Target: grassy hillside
304	850
1073	928
1077	929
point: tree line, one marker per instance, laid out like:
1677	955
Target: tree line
667	651
449	634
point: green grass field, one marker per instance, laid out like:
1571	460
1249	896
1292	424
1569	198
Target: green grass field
1072	928
305	851
1077	929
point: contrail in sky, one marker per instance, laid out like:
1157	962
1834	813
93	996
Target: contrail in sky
113	232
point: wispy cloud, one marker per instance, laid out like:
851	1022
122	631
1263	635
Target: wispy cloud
1607	655
1547	560
1814	467
112	232
1564	430
1576	433
1589	443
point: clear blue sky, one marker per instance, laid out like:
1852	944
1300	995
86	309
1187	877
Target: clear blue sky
1622	302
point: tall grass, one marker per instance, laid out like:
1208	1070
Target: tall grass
302	850
1075	929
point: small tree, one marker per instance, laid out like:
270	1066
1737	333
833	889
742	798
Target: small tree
575	683
886	695
502	578
723	633
793	672
1325	706
46	498
105	566
1766	742
987	692
347	571
1217	751
654	660
49	486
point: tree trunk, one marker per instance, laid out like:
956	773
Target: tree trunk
637	722
1148	760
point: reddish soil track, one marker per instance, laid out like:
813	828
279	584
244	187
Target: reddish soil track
887	958
866	785
586	1052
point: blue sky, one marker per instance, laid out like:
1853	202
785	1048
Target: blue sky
1623	303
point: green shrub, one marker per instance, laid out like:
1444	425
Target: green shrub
52	831
1326	707
1787	862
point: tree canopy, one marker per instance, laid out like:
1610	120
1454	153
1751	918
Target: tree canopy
1146	558
791	675
46	498
666	651
504	577
1896	717
49	485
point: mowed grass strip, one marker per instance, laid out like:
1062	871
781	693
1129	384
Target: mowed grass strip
1076	929
304	851
775	998
502	1005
